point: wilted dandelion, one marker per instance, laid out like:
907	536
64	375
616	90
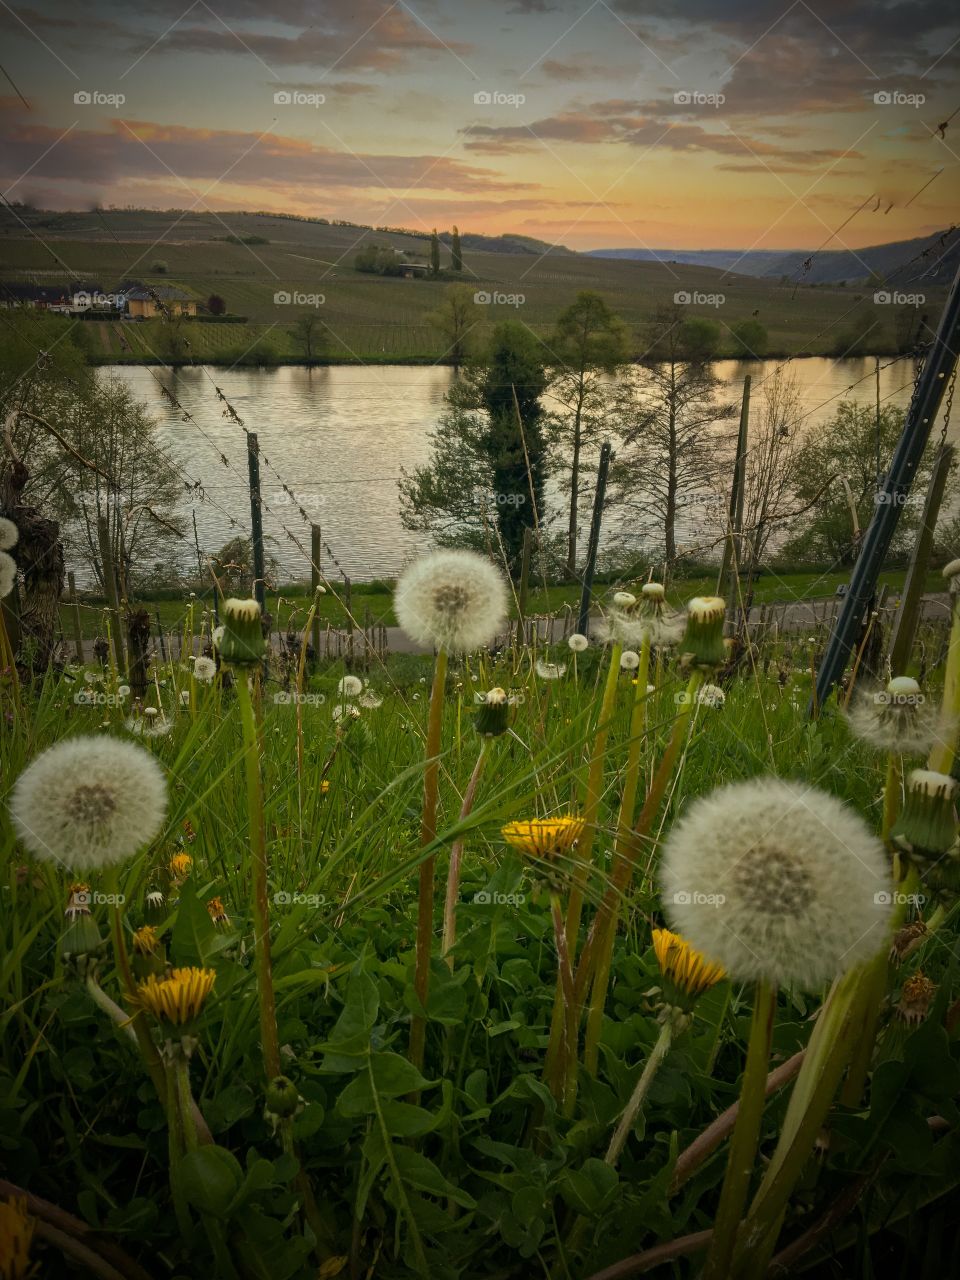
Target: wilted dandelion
346	711
217	912
915	1000
898	719
148	725
454	600
370	700
9	534
179	867
146	940
777	882
178	998
89	802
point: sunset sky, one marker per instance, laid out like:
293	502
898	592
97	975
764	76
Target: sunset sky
646	123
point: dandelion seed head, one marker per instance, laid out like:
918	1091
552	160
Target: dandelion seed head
346	711
577	642
777	881
897	719
9	534
370	699
350	687
205	669
653	591
89	802
8	573
454	600
550	670
216	636
629	660
711	695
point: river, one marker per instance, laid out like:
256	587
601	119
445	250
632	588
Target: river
338	436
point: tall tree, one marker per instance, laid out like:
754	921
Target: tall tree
434	253
456	251
310	333
589	341
675	445
488	457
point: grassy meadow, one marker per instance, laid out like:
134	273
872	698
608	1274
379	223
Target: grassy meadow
435	1112
374	318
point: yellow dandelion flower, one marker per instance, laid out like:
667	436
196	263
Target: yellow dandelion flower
546	838
217	911
324	786
146	941
178	997
686	973
16	1236
180	866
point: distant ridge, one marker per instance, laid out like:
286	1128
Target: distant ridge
932	259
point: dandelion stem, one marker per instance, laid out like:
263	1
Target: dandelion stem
428	832
258	847
743	1145
556	1069
175	1153
657	1054
944	749
631	782
456	853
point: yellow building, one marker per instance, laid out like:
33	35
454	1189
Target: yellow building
144	304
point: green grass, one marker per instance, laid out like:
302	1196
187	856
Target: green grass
374	318
83	1127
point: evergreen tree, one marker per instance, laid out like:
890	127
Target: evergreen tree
456	251
434	253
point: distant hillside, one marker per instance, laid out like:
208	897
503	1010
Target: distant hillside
505	243
929	259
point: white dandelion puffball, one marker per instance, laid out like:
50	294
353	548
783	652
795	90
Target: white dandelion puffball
89	802
216	636
370	699
550	670
577	642
8	574
350	687
9	534
778	881
205	669
184	697
455	600
711	695
346	711
629	660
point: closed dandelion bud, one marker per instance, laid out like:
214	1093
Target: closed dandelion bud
493	713
242	643
81	936
927	825
703	638
283	1098
685	974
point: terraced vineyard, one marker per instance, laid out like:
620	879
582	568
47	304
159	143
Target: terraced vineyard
372	317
